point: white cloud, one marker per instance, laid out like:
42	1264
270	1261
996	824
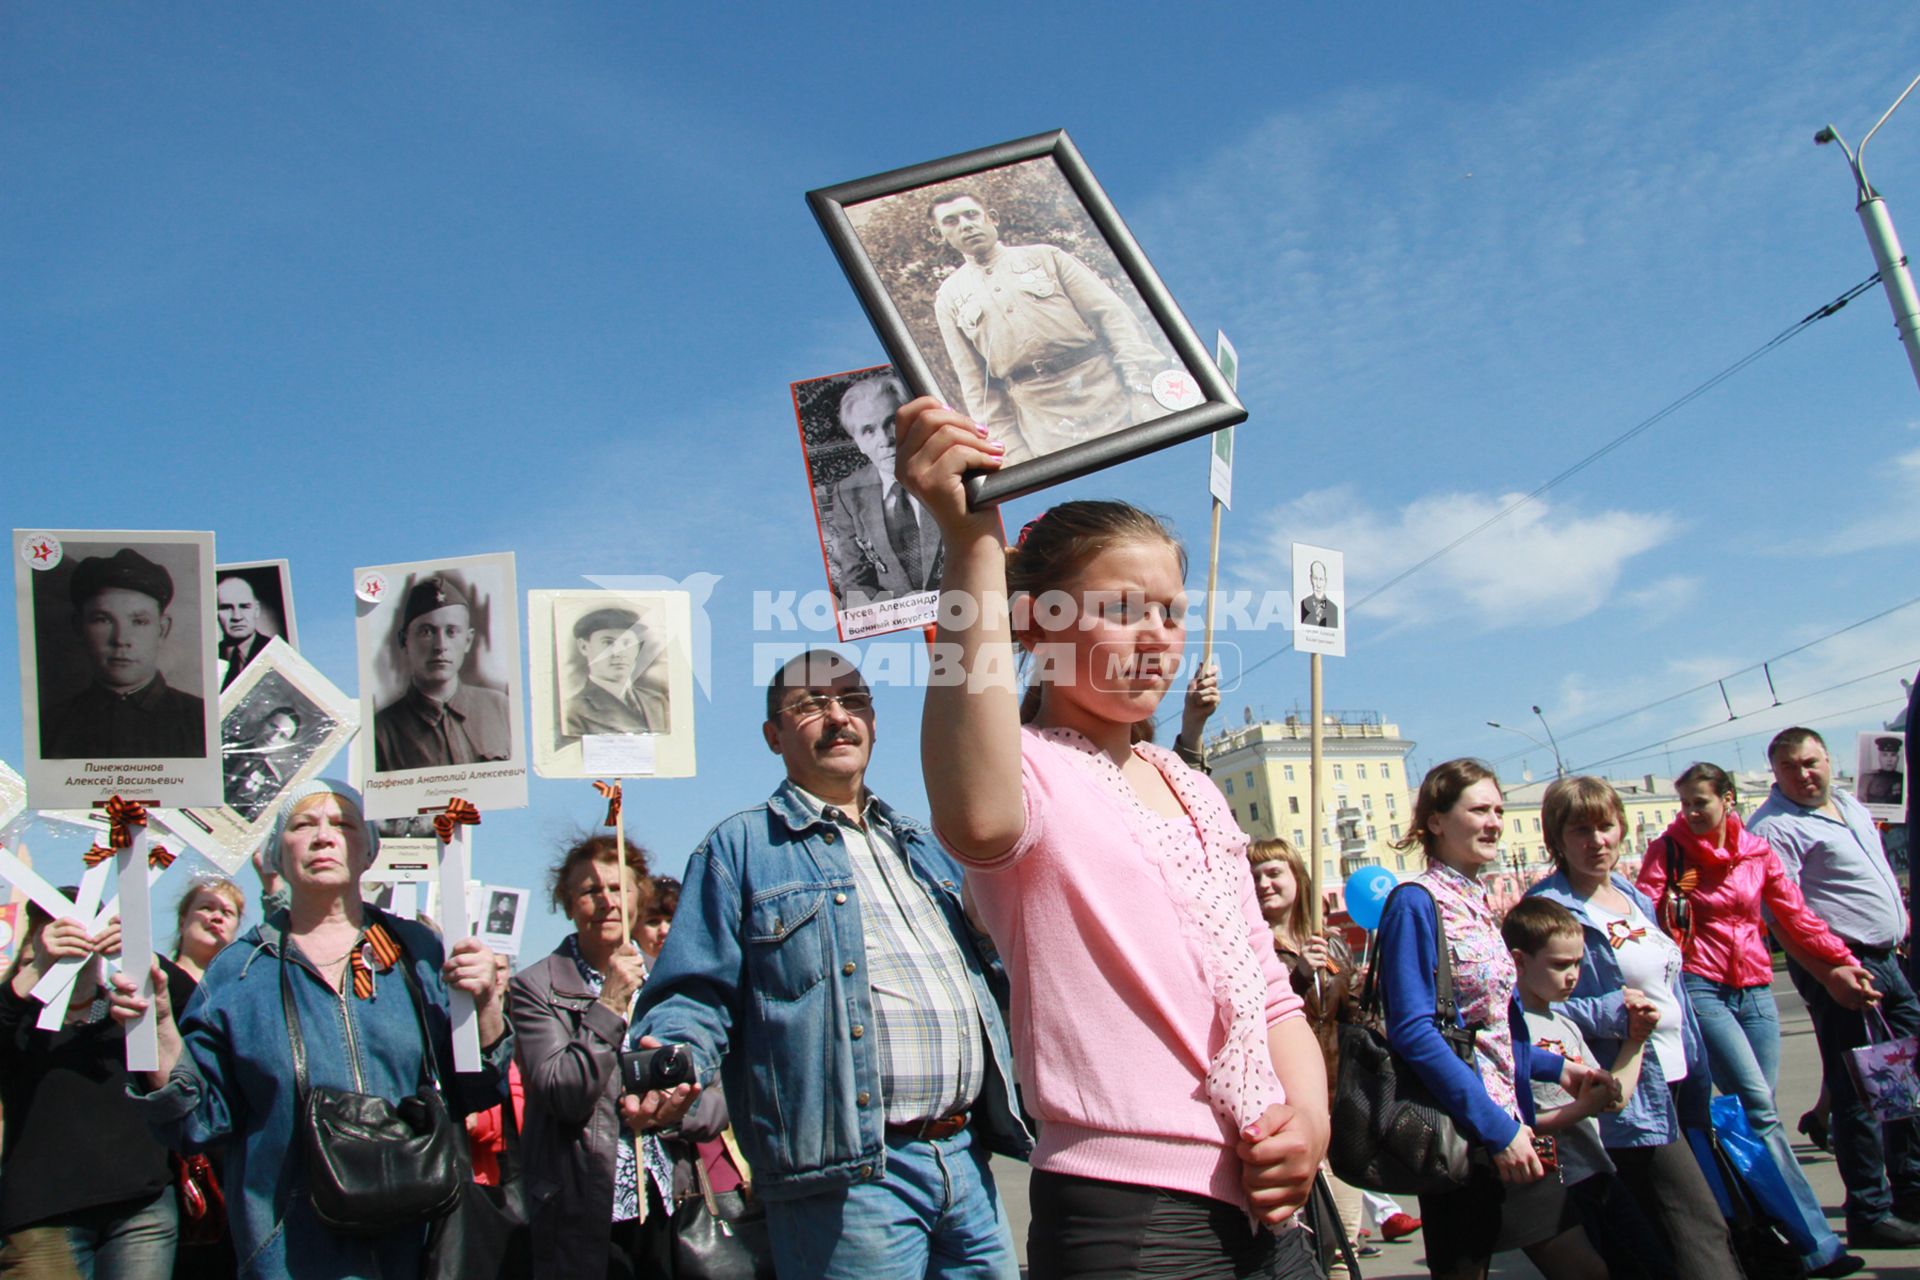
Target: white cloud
1540	566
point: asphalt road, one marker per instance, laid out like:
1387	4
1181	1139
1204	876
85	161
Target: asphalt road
1799	1086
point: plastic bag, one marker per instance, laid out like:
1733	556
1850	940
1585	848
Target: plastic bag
1883	1072
1754	1163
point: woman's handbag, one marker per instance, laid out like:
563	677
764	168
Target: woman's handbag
485	1235
1883	1071
1389	1132
374	1166
721	1235
203	1206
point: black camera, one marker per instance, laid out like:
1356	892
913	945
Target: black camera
644	1070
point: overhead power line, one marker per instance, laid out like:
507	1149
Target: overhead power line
1899	700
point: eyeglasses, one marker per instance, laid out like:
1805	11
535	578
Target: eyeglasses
814	705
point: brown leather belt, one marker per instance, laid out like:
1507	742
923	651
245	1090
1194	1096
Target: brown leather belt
930	1130
1048	366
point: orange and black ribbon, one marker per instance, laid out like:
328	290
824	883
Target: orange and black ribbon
386	953
158	855
122	817
458	813
611	790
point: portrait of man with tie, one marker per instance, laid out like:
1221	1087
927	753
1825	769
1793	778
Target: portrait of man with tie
442	718
252	605
882	543
618	682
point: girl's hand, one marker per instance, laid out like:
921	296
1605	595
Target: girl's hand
1519	1164
934	449
1315	951
1203	699
1598	1092
66	939
126	1007
1279	1154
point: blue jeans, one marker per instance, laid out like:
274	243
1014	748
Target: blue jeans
1870	1155
128	1240
935	1214
1741	1026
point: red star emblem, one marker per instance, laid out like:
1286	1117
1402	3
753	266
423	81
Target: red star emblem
41	550
373	587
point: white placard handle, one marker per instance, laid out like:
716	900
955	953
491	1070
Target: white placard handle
136	951
455	854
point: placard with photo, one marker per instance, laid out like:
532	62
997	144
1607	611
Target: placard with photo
502	917
1880	778
281	723
1320	596
1003	282
253	603
612	683
882	550
117	667
439	650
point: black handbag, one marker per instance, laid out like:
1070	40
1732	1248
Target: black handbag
486	1233
1389	1132
720	1235
374	1166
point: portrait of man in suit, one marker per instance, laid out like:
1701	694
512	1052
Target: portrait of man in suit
624	685
237	607
880	542
1317	610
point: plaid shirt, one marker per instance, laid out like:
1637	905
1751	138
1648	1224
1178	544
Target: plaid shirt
933	1052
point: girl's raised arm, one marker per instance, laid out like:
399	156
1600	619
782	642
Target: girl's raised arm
970	733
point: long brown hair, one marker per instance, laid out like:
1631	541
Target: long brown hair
1440	790
1062	541
1296	924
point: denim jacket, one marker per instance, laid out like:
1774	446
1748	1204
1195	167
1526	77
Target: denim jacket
764	977
235	1084
1598	1008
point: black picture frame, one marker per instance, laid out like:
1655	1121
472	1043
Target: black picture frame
1219	408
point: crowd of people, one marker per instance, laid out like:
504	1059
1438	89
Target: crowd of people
1080	961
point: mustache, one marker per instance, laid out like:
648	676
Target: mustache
834	737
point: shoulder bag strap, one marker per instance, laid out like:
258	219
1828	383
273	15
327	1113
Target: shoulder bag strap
1444	1008
429	1062
295	1041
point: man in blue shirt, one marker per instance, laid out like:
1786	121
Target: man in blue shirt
822	962
1830	848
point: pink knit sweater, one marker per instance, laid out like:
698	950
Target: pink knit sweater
1144	978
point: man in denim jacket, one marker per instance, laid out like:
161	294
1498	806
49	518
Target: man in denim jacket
822	962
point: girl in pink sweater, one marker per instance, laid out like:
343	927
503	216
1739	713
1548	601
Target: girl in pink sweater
1180	1094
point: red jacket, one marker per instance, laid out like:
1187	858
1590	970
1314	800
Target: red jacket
1727	941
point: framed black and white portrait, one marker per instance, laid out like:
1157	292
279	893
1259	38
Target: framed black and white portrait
612	683
439	648
1880	775
1003	282
253	603
881	548
502	917
1320	600
117	670
281	723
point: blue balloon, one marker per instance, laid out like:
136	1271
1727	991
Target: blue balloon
1366	894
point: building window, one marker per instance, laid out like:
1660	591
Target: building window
1386	771
1360	771
1393	832
1536	826
1339	774
1299	838
1293	804
1366	805
1253	811
1287	771
1372	835
1393	803
1249	777
1226	784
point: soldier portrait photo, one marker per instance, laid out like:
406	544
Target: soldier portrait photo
265	739
615	678
879	544
120	647
1881	775
253	603
1019	306
439	650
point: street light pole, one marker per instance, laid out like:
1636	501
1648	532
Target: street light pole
1507	728
1559	765
1878	224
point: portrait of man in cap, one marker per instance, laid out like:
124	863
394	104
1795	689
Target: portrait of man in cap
122	620
440	720
623	688
1881	781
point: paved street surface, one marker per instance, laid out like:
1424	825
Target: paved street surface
1799	1086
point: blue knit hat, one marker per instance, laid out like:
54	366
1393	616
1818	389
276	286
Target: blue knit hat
270	853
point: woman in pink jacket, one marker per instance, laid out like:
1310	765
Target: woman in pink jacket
1710	877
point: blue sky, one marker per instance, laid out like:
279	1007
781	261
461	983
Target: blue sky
357	284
